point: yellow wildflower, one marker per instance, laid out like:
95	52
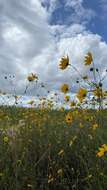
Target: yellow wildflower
105	147
65	88
88	59
100	153
50	179
95	126
32	77
64	63
69	118
67	98
60	172
72	104
82	93
61	152
98	92
102	150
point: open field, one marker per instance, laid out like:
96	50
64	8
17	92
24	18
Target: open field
40	150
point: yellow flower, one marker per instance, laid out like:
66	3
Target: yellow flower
65	88
73	140
82	93
60	172
69	118
64	63
102	150
67	98
32	77
98	92
100	153
88	59
71	143
105	147
50	179
72	104
95	126
61	152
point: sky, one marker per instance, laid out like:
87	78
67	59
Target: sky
35	34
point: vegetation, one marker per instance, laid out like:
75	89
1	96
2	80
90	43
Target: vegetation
48	148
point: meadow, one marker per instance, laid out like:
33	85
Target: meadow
39	150
45	147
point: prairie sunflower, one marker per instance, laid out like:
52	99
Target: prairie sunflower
65	88
88	59
64	63
69	118
82	93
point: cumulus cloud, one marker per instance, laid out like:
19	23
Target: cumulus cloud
24	34
30	44
80	13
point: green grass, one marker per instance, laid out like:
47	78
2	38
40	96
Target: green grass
30	145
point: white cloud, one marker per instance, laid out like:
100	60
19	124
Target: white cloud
30	44
81	14
103	6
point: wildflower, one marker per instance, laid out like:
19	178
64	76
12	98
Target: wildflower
88	59
102	150
50	179
105	147
61	152
98	92
64	63
69	118
67	98
65	88
72	104
95	126
32	77
82	93
59	172
71	143
73	140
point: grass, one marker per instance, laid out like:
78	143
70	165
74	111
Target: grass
40	151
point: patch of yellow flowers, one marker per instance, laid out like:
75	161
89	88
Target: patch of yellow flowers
102	150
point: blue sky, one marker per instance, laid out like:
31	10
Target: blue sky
62	15
99	23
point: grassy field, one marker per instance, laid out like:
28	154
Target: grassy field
39	150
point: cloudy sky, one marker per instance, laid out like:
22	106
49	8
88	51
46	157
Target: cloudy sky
35	34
